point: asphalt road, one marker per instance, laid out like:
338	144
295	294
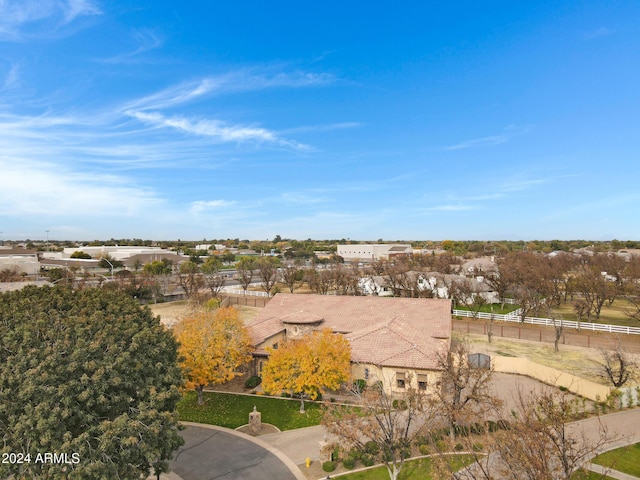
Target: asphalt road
214	454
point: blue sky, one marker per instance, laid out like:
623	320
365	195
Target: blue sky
423	120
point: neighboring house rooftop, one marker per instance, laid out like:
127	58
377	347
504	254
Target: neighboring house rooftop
394	332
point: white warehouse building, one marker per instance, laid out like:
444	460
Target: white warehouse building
372	252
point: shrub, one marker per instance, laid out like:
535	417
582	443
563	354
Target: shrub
367	460
349	462
423	449
355	454
441	445
477	447
371	447
458	447
329	466
477	428
253	381
212	304
359	385
401	405
332	399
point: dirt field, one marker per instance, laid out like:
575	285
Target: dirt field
171	313
579	361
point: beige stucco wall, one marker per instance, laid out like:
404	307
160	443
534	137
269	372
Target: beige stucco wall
387	375
551	376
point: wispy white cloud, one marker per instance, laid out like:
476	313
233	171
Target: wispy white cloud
479	142
215	129
598	32
510	131
26	19
323	128
235	81
449	208
79	8
145	40
11	78
37	188
298	198
202	206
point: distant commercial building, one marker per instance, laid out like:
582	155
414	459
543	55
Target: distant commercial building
22	263
116	252
372	252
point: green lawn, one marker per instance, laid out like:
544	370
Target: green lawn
588	475
231	411
411	470
488	308
625	459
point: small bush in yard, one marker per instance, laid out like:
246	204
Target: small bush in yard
349	462
253	381
329	466
367	460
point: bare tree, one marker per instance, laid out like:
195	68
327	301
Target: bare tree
212	276
537	441
190	278
463	391
245	268
292	277
617	366
388	427
559	330
268	268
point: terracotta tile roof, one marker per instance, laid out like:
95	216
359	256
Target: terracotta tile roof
398	332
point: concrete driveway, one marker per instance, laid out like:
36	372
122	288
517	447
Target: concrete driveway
217	453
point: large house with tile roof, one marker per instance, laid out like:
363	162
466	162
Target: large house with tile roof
393	340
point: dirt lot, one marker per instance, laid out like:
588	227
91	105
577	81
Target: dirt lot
579	361
171	313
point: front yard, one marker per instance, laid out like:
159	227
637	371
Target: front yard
232	410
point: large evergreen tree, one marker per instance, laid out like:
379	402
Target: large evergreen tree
88	374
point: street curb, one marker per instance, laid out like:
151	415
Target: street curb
293	468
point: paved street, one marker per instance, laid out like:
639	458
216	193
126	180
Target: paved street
215	453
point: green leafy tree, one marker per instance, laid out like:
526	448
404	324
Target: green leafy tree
107	261
80	254
89	374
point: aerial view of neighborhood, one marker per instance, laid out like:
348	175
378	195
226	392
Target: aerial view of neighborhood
337	240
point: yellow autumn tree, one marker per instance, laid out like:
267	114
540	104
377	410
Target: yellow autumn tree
213	346
308	366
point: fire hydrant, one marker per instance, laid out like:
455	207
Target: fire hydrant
307	462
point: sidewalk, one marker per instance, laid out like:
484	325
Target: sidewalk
298	444
609	472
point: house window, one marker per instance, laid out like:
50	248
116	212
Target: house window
275	346
422	382
366	373
400	379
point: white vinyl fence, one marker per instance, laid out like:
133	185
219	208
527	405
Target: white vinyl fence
549	322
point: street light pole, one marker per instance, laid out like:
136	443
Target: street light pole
111	264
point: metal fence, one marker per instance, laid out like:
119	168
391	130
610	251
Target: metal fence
549	322
247	293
